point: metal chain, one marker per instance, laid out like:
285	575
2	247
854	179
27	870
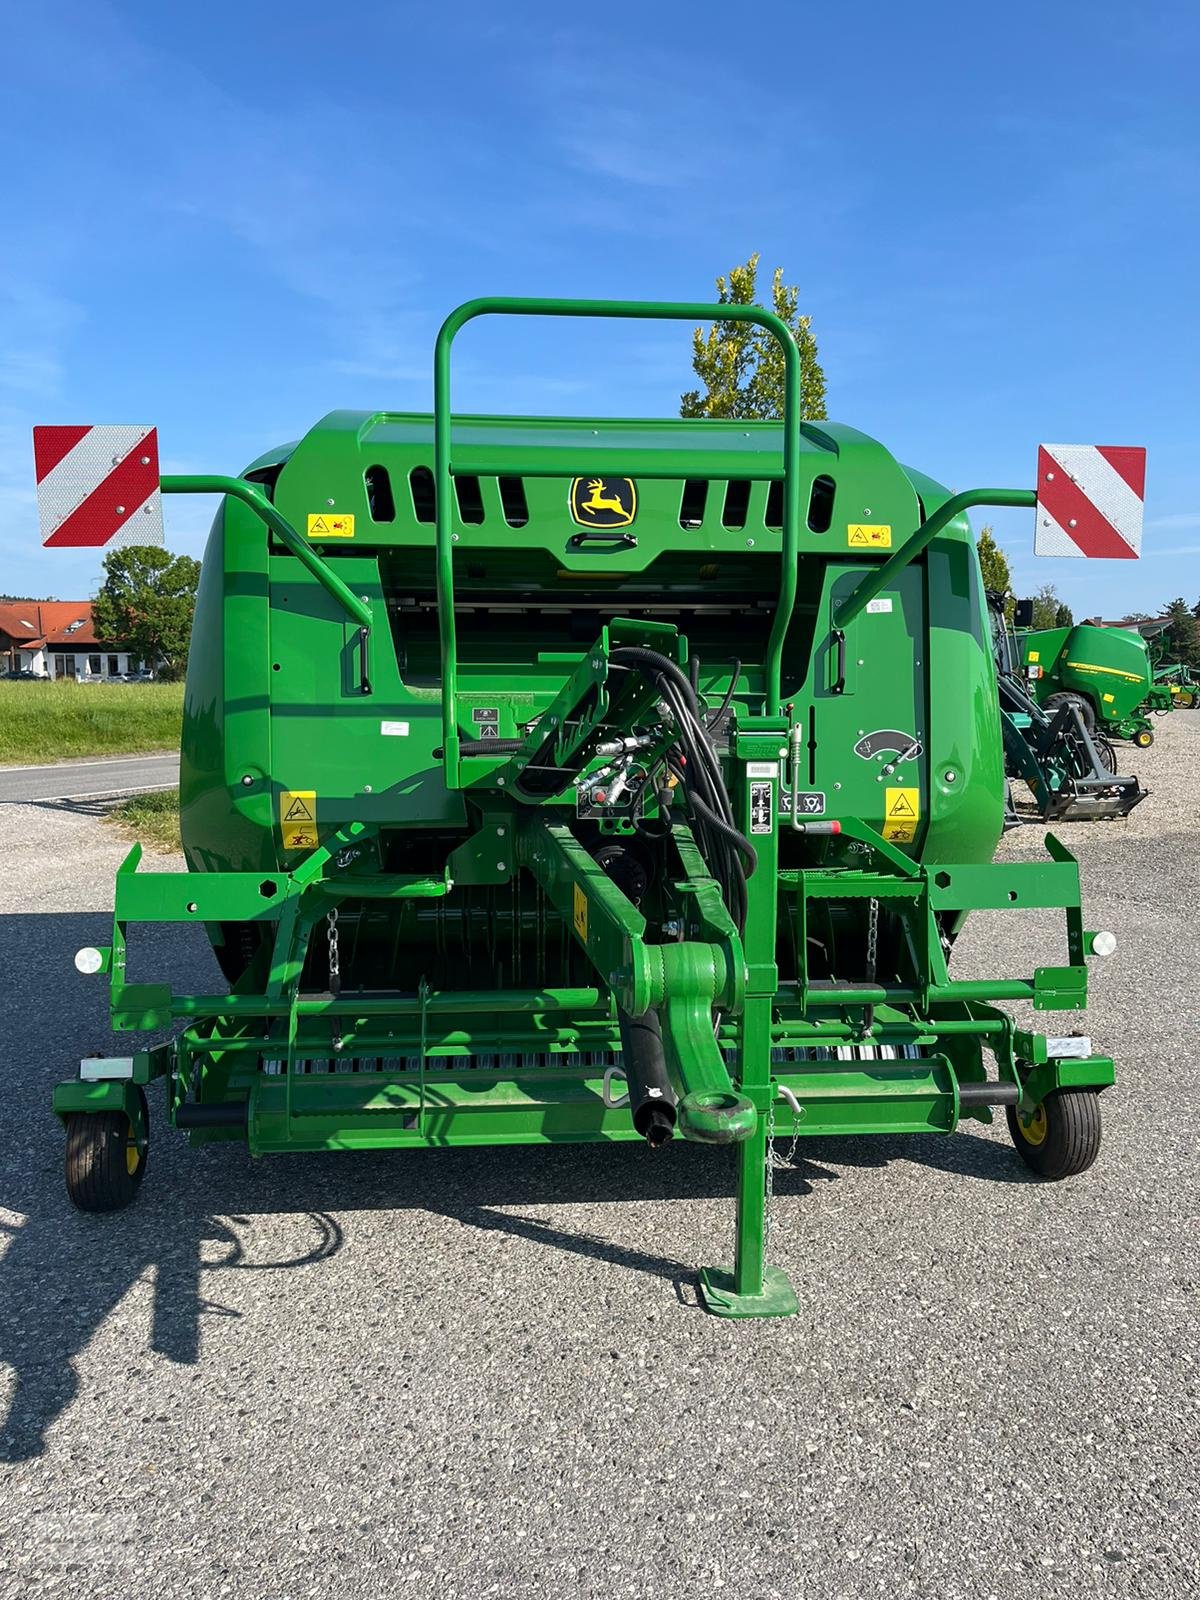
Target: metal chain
772	1163
769	1210
335	969
872	937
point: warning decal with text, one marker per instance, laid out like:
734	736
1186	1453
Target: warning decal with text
579	904
325	525
869	535
901	813
298	819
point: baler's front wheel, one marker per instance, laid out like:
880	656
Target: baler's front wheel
105	1164
1062	1136
1143	738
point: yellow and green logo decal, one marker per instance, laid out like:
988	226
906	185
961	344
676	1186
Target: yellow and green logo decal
603	502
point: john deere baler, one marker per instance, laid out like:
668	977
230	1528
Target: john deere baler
1104	672
550	781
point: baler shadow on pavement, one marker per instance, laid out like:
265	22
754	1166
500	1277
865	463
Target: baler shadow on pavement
204	1213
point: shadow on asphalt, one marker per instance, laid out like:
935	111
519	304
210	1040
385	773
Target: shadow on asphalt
62	1272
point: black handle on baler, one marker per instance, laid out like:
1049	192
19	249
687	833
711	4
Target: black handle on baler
838	685
612	536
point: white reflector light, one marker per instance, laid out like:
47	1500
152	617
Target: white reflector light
1075	1047
88	959
1103	944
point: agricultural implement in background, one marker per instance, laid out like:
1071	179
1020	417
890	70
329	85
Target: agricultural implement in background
1070	770
1103	672
1179	682
551	781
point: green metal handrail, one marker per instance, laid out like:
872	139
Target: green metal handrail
884	574
254	496
665	311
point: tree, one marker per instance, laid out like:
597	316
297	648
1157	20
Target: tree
741	365
1047	607
1064	617
1182	633
146	602
993	561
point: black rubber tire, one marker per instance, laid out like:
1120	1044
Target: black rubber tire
1144	738
97	1165
1071	1140
1108	756
1064	698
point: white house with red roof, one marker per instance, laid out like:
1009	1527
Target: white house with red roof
57	639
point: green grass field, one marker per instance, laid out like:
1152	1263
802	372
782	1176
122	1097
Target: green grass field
58	721
153	819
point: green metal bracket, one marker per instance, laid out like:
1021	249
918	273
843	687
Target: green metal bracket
1065	1072
254	496
445	467
75	1096
682	981
874	582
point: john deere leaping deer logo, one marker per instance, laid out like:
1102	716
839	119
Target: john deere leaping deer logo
603	502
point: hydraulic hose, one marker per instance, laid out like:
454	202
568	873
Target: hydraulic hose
651	1098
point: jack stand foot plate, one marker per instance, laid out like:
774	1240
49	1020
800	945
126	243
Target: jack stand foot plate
717	1294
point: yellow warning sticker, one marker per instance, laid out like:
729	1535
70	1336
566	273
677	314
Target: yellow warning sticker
298	819
580	919
1035	655
325	525
901	813
1109	698
869	535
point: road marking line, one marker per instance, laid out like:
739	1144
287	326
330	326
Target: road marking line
104	761
91	794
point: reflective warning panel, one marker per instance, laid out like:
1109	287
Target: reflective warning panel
1089	500
98	484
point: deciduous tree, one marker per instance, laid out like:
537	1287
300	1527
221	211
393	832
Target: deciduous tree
741	366
146	602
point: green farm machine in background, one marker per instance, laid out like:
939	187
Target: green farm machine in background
551	781
1179	682
1105	672
1069	768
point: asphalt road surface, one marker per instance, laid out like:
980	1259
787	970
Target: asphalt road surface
484	1373
88	780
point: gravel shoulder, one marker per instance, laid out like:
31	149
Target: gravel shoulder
479	1373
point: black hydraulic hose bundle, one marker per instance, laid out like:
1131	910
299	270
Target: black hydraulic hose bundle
728	854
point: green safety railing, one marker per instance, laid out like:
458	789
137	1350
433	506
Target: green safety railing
886	572
255	496
446	468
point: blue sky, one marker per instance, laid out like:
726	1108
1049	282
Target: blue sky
229	219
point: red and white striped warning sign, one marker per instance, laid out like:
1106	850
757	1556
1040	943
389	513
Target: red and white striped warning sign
1089	500
98	485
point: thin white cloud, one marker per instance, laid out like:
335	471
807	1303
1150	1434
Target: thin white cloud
1176	519
34	327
